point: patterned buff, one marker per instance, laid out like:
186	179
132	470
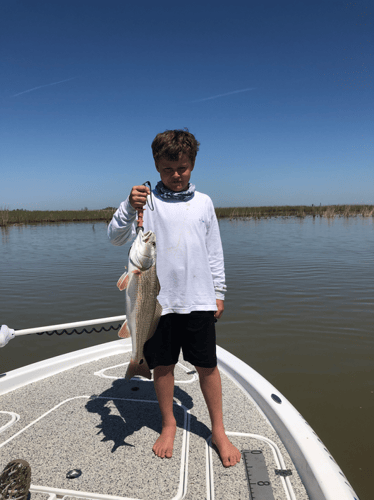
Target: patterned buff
167	194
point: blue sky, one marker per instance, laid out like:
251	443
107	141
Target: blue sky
279	94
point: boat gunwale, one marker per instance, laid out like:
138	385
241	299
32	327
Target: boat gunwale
321	475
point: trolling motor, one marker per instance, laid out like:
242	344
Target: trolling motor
6	334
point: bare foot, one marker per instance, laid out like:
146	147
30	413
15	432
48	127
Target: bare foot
230	455
163	447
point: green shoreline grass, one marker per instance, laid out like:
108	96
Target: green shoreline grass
8	217
328	211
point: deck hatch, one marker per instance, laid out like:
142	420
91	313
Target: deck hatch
257	475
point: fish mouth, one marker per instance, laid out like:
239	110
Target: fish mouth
149	237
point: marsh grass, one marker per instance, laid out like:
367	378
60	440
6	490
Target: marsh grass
328	211
49	216
4	216
368	211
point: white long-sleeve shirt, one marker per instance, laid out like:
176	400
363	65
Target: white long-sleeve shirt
190	264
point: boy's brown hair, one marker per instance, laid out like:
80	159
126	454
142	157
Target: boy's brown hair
171	144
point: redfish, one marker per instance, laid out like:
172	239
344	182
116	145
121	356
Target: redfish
143	310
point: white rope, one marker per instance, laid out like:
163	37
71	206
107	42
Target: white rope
63	326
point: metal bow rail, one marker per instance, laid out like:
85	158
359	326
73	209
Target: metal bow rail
51	329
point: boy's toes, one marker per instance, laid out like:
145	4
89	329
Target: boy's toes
229	454
162	452
163	446
230	460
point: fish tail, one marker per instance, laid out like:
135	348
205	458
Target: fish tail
135	368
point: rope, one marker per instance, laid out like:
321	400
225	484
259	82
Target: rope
82	331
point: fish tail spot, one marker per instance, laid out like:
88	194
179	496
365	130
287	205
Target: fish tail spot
141	361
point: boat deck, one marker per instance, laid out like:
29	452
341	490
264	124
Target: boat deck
89	418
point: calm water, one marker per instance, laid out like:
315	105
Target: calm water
299	309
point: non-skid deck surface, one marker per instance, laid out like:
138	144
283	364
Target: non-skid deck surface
89	418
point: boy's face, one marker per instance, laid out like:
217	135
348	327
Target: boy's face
175	174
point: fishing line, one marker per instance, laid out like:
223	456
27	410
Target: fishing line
148	184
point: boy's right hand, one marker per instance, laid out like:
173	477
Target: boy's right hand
138	196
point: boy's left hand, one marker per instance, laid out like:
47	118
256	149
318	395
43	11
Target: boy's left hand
220	308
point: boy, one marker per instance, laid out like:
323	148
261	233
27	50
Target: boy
191	272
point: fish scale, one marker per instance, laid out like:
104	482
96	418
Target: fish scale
145	286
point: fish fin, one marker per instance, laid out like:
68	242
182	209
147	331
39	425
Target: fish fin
158	286
138	369
123	281
136	271
124	331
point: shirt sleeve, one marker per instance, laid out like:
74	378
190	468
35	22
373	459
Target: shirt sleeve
122	226
215	254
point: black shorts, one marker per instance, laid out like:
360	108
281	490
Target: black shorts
194	333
